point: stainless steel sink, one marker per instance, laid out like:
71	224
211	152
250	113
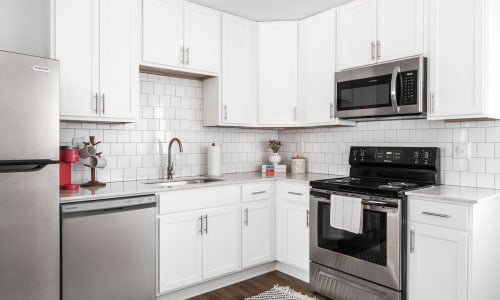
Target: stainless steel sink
168	183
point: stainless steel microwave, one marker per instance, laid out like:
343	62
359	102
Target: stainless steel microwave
391	89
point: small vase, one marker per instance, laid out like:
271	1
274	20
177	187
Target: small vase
275	158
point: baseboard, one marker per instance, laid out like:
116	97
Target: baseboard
293	271
218	283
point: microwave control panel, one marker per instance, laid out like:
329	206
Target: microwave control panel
410	87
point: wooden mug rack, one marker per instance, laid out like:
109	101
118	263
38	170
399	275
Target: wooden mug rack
93	182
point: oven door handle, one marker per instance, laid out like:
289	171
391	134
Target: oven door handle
353	284
394	96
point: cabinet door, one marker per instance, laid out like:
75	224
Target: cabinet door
77	34
202	38
221	241
256	233
437	266
456	55
356	34
317	67
180	250
400	26
162	32
295	230
119	68
239	70
278	55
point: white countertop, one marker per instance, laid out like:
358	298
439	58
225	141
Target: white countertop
453	193
134	188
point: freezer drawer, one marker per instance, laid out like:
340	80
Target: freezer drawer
108	250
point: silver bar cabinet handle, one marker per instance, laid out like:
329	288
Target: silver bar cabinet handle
378	49
206	224
225	112
427	213
246	216
181	54
373	50
331	110
201	224
307	218
97	103
432	102
412	241
187	56
103	102
259	192
296	194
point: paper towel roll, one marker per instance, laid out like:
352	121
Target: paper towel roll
213	160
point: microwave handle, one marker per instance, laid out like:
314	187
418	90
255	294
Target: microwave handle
394	96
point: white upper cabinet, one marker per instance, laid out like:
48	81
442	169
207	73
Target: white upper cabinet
463	59
400	28
371	31
239	70
317	70
317	67
96	42
356	34
181	36
278	59
163	32
231	99
202	38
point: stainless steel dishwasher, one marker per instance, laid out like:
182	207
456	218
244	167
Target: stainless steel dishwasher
108	249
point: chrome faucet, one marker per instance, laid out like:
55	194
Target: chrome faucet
170	168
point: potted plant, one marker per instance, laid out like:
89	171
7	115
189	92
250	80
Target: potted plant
275	146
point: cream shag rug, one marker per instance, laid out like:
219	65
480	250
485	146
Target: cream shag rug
280	293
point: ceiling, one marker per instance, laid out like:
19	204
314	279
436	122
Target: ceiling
271	10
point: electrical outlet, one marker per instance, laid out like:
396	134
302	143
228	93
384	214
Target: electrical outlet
461	150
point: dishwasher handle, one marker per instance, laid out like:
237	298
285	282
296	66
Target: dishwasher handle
108	205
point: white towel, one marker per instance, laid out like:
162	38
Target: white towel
346	213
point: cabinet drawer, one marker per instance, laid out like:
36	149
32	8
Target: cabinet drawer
198	198
297	193
258	191
440	214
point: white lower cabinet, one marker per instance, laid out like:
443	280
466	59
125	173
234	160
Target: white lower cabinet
256	233
179	250
438	263
201	243
293	225
295	235
221	241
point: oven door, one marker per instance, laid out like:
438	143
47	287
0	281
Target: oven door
374	255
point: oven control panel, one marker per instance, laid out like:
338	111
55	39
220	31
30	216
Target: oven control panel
427	156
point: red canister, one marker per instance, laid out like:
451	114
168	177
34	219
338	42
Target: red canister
67	156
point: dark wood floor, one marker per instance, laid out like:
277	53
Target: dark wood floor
256	285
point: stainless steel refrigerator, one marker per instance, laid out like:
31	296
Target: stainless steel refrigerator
29	177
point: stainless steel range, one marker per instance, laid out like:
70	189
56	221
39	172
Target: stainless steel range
371	264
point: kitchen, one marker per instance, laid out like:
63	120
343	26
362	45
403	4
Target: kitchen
253	82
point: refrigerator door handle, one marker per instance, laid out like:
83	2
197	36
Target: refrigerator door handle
24	166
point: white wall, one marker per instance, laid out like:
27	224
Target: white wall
25	26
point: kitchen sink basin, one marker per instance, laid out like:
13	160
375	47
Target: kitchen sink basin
168	183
